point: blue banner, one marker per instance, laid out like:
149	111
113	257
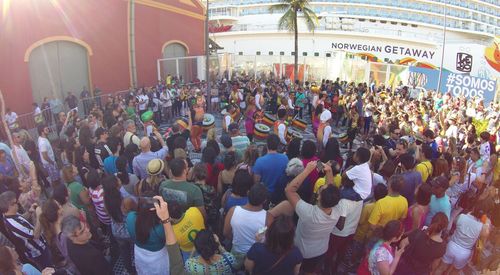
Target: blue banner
456	84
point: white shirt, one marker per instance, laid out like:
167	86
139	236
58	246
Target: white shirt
351	210
245	225
327	131
484	151
143	102
361	175
257	101
166	98
290	104
281	133
37	111
227	121
452	131
314	228
22	156
11	119
44	146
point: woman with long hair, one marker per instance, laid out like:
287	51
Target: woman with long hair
212	259
471	226
382	259
9	264
116	207
249	158
277	254
425	248
79	195
308	154
208	157
146	230
226	176
293	148
155	176
440	168
418	211
50	220
332	152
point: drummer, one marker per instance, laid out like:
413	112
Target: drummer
199	113
259	99
324	129
252	116
280	128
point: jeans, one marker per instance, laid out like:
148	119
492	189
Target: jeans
368	121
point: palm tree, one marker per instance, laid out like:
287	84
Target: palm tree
288	21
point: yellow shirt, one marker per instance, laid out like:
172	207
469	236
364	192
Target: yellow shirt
364	226
321	181
185	231
496	171
387	209
425	169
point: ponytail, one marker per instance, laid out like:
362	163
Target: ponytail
438	224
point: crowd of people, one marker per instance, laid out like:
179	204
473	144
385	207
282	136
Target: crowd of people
410	186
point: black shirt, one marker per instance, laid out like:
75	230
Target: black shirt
420	254
170	140
102	151
88	259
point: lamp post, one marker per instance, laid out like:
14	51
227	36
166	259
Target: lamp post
207	53
442	50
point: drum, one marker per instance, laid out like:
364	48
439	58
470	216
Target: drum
182	122
269	120
261	131
291	134
343	138
208	122
299	124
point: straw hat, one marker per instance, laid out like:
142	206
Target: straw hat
155	167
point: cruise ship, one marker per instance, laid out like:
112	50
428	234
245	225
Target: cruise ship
362	40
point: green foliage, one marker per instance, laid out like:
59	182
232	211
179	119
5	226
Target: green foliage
480	124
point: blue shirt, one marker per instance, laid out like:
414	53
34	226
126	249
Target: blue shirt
140	162
412	179
270	168
438	205
156	240
110	165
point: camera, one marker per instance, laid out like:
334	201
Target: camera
149	202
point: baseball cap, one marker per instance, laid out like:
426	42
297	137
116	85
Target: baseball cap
155	167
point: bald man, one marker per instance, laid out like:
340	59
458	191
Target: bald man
141	161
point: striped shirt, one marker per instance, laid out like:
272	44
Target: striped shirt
97	196
23	231
240	143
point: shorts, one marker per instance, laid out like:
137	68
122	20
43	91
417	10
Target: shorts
456	255
312	264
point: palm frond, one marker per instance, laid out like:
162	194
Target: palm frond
311	18
279	7
286	21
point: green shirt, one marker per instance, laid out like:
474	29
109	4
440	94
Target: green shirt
185	193
75	188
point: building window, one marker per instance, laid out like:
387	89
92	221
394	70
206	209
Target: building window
316	54
304	54
258	53
271	53
328	55
240	53
293	53
282	53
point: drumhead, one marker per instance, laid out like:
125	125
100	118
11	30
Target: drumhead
208	119
262	128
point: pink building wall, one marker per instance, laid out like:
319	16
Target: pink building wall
103	26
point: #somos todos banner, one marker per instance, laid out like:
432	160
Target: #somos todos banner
454	83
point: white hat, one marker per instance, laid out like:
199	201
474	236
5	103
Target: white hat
325	115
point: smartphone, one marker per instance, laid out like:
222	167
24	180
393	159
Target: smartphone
262	230
320	166
149	202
